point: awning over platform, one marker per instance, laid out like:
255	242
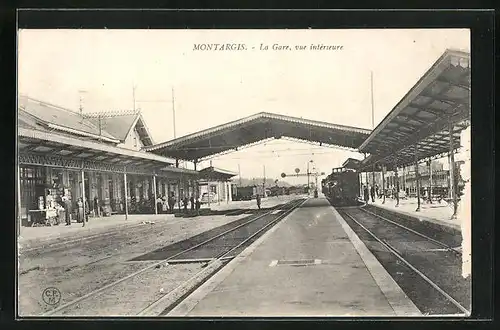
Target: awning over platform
261	126
34	146
216	174
421	120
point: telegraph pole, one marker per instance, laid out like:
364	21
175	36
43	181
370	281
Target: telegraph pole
80	102
173	111
239	174
100	127
264	183
373	108
133	95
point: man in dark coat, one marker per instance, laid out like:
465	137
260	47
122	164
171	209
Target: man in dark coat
366	194
372	193
192	202
67	210
159	205
258	201
185	204
171	203
96	207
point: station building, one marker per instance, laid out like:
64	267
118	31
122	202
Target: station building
215	185
65	153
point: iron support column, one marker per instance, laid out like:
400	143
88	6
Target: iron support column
360	177
179	194
417	178
209	193
430	181
383	184
83	196
373	183
308	187
396	183
453	186
154	187
404	178
126	192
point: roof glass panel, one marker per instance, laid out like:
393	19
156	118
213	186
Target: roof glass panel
42	149
422	100
457	93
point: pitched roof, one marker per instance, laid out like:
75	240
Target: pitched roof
60	118
120	124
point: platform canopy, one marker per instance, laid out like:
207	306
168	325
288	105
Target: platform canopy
36	146
216	174
351	163
420	122
250	130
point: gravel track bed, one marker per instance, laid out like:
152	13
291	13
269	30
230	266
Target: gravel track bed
442	267
134	294
81	269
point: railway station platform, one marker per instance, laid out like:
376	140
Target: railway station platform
252	204
437	213
96	226
309	264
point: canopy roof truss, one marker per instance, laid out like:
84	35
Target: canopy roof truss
419	125
216	174
250	130
75	153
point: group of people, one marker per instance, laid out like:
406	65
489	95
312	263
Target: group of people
374	191
164	204
82	215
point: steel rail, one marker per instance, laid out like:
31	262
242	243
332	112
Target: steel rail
423	276
446	246
221	257
110	285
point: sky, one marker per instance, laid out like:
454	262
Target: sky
210	88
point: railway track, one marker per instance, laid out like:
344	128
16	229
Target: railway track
197	261
427	269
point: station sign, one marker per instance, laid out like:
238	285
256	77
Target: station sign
283	175
297	170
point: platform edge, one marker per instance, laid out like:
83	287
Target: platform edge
399	301
194	298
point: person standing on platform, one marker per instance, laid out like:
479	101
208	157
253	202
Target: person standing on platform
372	193
171	203
87	211
67	210
366	194
198	205
159	205
79	214
185	200
192	202
96	207
258	201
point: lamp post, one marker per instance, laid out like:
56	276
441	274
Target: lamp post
308	184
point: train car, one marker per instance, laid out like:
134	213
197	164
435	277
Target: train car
341	187
243	193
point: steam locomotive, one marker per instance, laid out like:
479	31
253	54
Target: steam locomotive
341	187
